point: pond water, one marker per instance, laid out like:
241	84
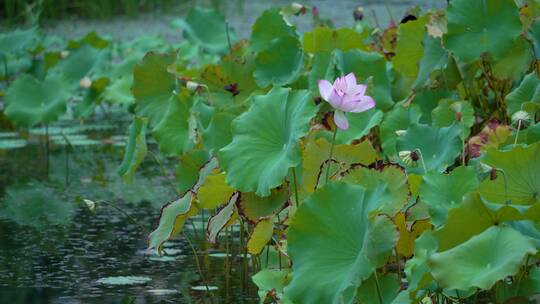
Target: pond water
53	249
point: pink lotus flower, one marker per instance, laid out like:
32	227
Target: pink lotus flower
345	96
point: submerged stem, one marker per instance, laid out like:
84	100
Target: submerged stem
330	156
197	261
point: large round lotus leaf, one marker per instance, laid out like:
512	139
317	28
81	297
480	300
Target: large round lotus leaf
477	27
427	100
450	111
359	125
434	58
442	192
265	140
174	133
323	66
253	207
390	181
528	91
18	40
214	192
187	171
515	62
483	260
280	64
325	39
365	65
437	147
30	101
78	64
136	148
334	245
409	49
519	179
316	153
153	85
399	118
206	27
269	27
218	133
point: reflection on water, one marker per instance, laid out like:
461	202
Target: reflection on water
54	250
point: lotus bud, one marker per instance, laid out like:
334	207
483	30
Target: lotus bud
91	205
85	82
64	54
521	118
401	132
358	14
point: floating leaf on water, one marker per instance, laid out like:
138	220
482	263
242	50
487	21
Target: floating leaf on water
124	280
163	292
204	288
163	258
7	144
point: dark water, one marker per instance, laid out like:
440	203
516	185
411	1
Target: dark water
53	249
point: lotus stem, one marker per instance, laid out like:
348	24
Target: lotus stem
517	132
228	36
378	287
295	187
422	160
330	156
197	262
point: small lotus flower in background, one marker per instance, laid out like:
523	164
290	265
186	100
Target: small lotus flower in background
85	82
345	95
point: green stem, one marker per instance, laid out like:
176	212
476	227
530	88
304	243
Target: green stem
422	160
295	187
378	287
197	261
517	132
330	156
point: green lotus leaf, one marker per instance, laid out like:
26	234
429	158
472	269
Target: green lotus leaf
119	91
515	62
78	64
386	285
153	85
437	147
187	171
253	207
136	148
483	260
124	280
518	179
218	134
174	132
222	219
417	268
334	246
323	66
528	228
389	180
442	192
479	27
265	140
535	35
261	235
171	221
528	91
207	28
18	40
270	26
316	153
280	64
269	281
434	58
428	100
324	39
409	50
450	111
524	288
214	191
365	65
30	101
399	118
359	125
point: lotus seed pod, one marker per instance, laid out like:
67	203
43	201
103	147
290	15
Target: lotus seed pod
406	158
522	116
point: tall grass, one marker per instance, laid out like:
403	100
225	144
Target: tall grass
18	11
